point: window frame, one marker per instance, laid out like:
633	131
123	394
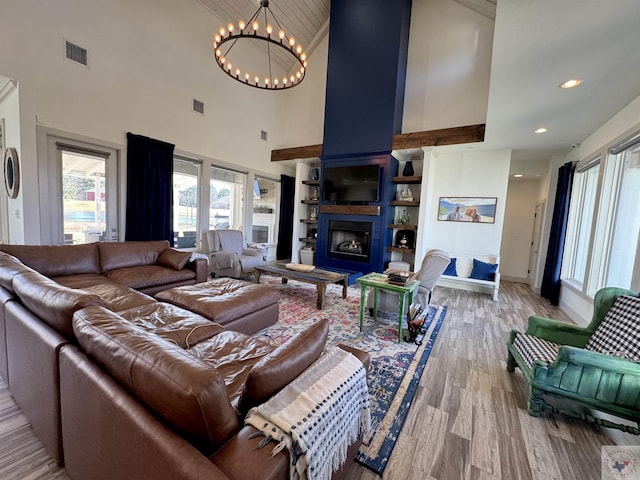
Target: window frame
575	222
198	220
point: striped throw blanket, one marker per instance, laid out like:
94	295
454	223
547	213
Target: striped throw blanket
318	415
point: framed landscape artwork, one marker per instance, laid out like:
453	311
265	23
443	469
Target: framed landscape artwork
467	209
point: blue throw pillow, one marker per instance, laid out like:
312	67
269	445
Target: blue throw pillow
483	271
451	269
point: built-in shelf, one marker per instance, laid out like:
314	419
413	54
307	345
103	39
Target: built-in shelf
305	220
401	250
403	203
309	202
414	179
308	240
311	182
403	226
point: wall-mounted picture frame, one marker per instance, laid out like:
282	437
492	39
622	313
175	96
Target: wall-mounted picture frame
467	209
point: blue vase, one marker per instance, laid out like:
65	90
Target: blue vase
315	174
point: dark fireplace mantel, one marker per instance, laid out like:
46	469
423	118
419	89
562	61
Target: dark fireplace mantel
351	209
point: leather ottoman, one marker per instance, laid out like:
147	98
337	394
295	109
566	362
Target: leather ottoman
235	304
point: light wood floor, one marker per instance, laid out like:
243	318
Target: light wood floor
468	420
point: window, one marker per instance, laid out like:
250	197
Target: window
603	227
226	199
185	202
624	234
581	212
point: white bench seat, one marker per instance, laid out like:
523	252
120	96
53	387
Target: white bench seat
464	265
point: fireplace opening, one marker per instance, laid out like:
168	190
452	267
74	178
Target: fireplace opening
349	240
260	234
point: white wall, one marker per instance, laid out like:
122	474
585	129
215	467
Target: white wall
522	197
473	174
11	209
305	104
448	66
146	64
447	82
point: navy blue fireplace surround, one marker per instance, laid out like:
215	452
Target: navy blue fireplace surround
352	240
366	68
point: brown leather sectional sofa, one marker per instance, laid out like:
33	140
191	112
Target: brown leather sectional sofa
120	386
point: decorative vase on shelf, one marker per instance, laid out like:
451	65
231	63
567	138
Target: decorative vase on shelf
315	174
403	241
408	169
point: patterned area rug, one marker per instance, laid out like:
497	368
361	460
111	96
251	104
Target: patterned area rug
396	367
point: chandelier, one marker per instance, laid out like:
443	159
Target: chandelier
263	26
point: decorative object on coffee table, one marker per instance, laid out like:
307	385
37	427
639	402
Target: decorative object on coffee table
300	267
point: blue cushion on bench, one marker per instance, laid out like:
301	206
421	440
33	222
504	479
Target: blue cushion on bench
451	268
483	271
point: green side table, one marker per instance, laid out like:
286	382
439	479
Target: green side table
379	281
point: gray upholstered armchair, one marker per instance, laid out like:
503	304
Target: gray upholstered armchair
228	256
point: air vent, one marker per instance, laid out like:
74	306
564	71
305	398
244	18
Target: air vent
198	106
263	135
75	53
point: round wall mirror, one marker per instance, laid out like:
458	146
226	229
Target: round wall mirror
11	172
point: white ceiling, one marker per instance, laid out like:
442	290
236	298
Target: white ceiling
537	45
540	44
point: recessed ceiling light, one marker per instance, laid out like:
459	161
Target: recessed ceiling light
517	175
541	130
574	82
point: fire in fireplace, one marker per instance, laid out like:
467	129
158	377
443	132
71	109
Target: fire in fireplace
349	240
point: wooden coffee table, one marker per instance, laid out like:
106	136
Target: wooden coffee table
317	277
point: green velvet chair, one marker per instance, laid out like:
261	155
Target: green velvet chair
563	361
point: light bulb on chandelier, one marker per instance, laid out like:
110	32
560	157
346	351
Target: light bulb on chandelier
227	38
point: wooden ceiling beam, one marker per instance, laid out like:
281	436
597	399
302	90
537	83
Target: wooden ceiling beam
434	138
401	141
308	151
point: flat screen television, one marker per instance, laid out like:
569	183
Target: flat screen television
351	185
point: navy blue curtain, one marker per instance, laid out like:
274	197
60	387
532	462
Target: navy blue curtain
287	189
149	189
551	280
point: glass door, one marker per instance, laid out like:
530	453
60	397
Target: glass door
83	198
89	198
